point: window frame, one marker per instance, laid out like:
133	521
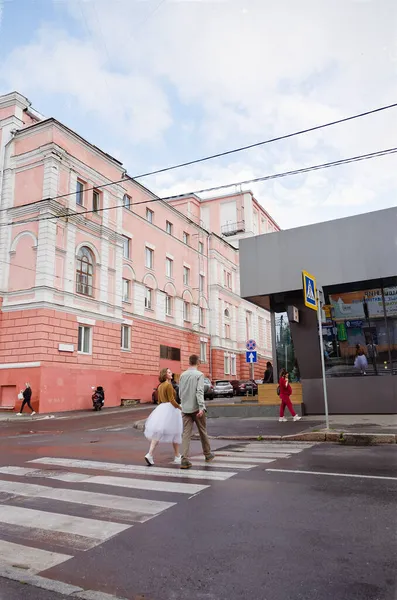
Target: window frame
169	263
150	215
186	311
233	364
228	331
201	248
129	201
80	193
81	340
201	283
202	316
203	352
186	275
127	297
169	306
96	194
169	227
226	364
125	329
126	240
86	272
148	298
149	254
186	238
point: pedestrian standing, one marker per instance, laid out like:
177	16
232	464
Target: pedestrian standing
165	422
361	362
268	376
285	390
191	392
27	395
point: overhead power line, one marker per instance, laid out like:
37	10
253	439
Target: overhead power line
218	155
335	163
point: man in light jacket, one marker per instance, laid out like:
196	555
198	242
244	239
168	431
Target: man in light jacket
191	393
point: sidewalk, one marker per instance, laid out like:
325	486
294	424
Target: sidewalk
9	416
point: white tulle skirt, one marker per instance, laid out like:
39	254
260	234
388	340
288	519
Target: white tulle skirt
361	362
165	424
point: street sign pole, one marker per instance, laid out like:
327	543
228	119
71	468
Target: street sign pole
252	370
320	330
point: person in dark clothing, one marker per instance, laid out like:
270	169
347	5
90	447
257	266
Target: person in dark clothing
176	389
27	394
268	376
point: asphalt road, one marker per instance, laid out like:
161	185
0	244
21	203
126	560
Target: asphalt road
315	523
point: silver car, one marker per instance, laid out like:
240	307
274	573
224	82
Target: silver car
223	388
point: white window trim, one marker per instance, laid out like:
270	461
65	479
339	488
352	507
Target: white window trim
203	345
128	297
85	321
152	257
169	261
149	245
168	314
128	327
170	256
233	361
226	370
90	341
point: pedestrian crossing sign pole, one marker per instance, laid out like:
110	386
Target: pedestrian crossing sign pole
313	299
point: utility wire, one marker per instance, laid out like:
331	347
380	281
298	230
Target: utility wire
327	165
219	155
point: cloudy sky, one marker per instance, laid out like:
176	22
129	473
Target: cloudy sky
155	83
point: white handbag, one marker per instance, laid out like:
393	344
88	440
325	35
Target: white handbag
20	396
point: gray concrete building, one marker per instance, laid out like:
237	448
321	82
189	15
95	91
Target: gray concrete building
355	262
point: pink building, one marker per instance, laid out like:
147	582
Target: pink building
102	283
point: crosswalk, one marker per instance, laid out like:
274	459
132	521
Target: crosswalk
53	508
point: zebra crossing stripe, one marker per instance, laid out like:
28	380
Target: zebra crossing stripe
231	457
256	456
143	509
127	482
134	469
31	560
49	521
221	464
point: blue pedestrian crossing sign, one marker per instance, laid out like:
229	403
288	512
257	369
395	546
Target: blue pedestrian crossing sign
309	290
251	356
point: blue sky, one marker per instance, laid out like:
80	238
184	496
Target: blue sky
158	82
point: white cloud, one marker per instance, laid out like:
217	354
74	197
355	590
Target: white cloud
223	74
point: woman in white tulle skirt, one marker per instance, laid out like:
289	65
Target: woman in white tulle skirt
165	422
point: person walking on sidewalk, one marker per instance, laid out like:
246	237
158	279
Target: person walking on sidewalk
27	395
191	393
165	422
285	397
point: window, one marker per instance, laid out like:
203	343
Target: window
228	280
186	311
203	352
227	331
169	264
125	337
201	247
126	286
201	283
169	353
149	258
186	276
185	238
168	306
85	272
202	316
126	201
248	318
261	327
227	313
149	215
168	227
79	193
227	364
126	246
95	201
148	298
233	365
85	340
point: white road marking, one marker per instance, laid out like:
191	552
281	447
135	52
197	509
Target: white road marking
128	482
134	469
91	528
248	457
29	559
136	505
219	463
354	475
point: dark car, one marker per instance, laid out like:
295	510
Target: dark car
244	387
208	389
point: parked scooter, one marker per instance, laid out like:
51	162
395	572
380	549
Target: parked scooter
98	397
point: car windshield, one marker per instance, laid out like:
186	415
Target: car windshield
222	382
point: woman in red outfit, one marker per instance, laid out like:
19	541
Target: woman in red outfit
285	393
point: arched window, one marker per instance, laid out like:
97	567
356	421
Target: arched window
85	272
227	313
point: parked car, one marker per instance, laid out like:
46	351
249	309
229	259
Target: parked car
244	387
208	389
223	389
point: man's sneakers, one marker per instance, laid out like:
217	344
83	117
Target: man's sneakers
19	414
186	464
209	457
282	420
33	413
177	460
297	418
149	459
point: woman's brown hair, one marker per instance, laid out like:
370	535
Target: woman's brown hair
163	375
283	372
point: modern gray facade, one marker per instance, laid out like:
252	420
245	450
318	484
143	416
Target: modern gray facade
355	262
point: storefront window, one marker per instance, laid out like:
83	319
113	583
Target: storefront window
356	331
284	347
